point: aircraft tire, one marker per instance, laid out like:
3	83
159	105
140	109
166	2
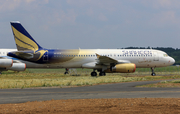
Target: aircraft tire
93	74
153	74
66	73
102	74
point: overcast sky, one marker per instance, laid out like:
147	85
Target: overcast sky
73	24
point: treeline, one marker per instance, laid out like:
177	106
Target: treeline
175	53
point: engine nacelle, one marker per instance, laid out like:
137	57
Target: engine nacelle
5	63
17	67
124	68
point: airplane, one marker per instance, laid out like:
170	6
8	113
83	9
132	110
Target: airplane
102	60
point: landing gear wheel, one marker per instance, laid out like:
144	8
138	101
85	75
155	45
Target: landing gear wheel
93	74
153	74
65	72
102	74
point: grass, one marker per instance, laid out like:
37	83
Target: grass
160	69
175	83
79	77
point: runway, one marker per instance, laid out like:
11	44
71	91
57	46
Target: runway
118	90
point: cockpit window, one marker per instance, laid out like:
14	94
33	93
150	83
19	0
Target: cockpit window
165	55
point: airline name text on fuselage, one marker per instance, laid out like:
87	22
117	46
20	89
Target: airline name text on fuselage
137	52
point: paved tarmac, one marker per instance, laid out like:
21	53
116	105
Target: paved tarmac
118	90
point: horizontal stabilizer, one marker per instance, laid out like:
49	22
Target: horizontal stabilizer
24	55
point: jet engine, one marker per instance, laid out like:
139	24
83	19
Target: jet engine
17	67
6	63
122	68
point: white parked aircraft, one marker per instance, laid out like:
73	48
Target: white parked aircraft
7	63
102	60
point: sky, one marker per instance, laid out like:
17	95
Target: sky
93	24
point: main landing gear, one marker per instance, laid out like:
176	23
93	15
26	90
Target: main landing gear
93	73
101	73
153	73
67	71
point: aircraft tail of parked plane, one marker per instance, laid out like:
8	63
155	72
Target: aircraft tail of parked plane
27	47
102	60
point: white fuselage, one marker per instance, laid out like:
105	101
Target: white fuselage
143	58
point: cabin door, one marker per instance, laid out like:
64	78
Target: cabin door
45	56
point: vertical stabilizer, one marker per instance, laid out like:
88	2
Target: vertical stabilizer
23	39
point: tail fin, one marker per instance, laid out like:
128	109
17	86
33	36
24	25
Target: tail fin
23	39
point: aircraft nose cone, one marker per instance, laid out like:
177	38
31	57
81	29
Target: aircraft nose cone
171	61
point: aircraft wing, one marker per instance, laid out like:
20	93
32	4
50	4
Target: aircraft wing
104	60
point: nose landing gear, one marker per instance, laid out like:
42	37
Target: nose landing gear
153	73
